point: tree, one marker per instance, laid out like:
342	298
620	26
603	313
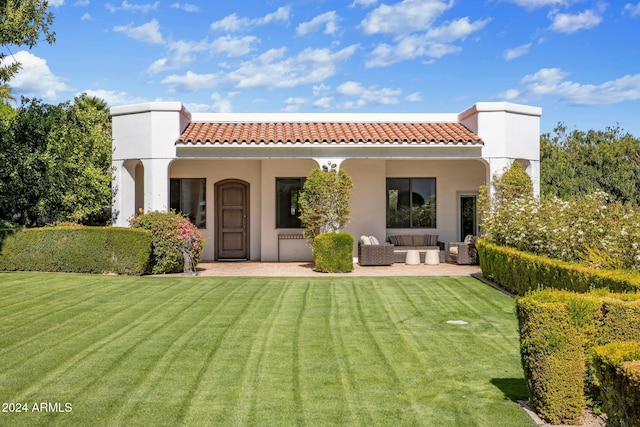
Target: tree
55	163
581	162
324	202
22	23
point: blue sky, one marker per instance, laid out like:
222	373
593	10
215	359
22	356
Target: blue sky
577	59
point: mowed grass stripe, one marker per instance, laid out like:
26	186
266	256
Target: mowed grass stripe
99	347
17	328
277	351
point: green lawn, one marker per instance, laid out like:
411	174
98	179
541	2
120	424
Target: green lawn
131	351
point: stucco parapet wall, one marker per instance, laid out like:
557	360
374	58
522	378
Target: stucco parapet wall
149	107
504	107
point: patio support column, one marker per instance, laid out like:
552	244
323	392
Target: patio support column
156	184
124	185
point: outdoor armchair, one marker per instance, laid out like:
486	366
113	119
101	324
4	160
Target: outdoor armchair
375	254
463	252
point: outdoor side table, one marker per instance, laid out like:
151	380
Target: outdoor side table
413	257
432	257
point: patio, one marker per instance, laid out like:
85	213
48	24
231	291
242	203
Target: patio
305	269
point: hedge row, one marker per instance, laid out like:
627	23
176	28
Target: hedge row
617	369
333	252
558	331
76	250
521	272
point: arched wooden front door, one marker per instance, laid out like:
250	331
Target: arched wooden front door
232	220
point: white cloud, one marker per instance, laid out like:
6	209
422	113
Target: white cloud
56	3
568	23
516	52
323	102
114	98
182	53
35	79
232	23
233	46
535	4
128	7
191	81
187	7
364	3
414	97
86	17
293	104
553	82
222	104
402	18
146	33
272	69
81	3
632	9
367	95
327	20
435	43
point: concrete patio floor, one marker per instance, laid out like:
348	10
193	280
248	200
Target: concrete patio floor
305	269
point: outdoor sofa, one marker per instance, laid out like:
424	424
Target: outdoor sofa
421	242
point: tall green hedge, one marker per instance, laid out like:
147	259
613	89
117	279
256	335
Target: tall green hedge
617	368
522	272
76	250
333	252
558	330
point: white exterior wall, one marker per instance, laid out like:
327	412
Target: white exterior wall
145	132
510	132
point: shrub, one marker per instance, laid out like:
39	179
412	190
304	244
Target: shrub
586	229
333	252
558	332
553	359
324	202
521	272
617	369
76	250
177	243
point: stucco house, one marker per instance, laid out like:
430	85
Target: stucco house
238	176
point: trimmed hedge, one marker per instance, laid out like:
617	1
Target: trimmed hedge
333	252
522	272
558	330
617	369
76	250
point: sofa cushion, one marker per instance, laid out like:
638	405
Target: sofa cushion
431	239
453	250
406	240
365	240
374	240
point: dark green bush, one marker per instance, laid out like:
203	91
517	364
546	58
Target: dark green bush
617	369
76	250
333	252
521	272
177	243
553	359
558	330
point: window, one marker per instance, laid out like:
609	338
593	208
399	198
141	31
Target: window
287	207
411	202
187	196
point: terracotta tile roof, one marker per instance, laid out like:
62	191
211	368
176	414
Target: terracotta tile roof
327	133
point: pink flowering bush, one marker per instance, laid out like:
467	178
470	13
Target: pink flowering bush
177	243
588	229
